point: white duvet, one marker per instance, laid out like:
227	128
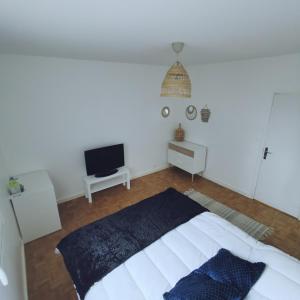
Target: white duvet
157	268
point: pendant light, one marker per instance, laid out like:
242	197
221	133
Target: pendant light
177	82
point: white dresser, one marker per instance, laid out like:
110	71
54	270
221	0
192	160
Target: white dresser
36	208
187	156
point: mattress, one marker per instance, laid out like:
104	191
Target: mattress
157	268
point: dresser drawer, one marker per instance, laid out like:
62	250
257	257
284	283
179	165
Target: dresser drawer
182	150
181	161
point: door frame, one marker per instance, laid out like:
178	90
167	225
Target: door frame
265	136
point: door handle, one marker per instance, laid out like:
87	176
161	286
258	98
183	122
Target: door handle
266	152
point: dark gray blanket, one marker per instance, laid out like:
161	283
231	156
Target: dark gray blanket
94	250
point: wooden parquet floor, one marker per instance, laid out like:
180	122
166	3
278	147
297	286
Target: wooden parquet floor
47	276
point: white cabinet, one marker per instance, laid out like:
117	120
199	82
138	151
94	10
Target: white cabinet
187	156
36	208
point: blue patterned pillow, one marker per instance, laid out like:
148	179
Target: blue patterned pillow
223	277
202	287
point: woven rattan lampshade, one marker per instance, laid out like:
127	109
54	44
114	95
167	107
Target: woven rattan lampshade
177	82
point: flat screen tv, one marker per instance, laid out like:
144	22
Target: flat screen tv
104	161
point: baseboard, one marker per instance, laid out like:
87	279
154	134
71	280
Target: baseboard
66	199
151	171
137	175
163	167
24	274
217	181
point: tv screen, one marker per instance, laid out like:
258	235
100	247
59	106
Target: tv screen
102	161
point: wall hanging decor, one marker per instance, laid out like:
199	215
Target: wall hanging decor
165	111
177	82
179	134
191	112
205	114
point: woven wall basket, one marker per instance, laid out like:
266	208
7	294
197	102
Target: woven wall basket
177	82
205	114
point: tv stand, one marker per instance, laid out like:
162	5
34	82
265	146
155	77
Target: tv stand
106	173
94	184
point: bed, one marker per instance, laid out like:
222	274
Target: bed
156	268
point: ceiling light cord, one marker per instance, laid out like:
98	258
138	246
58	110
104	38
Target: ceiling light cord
177	48
177	57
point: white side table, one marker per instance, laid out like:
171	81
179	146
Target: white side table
94	184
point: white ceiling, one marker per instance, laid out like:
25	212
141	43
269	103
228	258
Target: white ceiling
140	31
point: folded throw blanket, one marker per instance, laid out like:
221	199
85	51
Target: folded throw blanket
94	250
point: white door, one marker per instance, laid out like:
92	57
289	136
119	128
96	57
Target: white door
279	177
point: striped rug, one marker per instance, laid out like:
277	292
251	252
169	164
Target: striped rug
257	230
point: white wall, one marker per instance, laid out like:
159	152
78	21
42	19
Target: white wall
239	95
12	259
53	109
59	107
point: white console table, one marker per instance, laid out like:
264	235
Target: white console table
94	184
